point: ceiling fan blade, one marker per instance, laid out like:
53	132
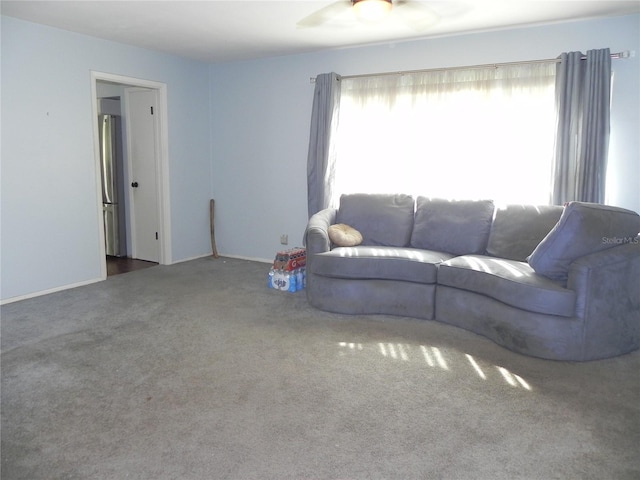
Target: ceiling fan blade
415	14
325	14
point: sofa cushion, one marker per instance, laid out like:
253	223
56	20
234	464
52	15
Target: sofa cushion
344	236
454	226
388	263
583	228
509	281
518	229
382	219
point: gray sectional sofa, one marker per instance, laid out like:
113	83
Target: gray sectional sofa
553	282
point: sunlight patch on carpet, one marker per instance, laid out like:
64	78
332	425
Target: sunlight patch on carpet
435	358
476	367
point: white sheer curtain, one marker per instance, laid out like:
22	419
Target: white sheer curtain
462	133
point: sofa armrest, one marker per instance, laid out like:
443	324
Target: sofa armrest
607	286
317	234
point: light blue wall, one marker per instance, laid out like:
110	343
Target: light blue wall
49	210
261	112
238	132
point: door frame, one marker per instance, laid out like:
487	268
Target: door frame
162	162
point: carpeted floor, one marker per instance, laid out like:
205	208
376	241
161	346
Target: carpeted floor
199	371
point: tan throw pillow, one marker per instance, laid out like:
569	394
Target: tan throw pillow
344	236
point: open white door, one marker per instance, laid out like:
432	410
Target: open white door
142	133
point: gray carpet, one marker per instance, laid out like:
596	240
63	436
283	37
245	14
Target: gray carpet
199	371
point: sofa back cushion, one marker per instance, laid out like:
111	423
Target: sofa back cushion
382	219
518	229
459	227
583	228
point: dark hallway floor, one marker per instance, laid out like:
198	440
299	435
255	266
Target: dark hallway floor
118	265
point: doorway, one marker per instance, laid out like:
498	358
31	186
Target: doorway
147	215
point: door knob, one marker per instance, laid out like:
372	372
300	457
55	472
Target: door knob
134	184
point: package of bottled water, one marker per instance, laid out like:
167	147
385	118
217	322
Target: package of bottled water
287	281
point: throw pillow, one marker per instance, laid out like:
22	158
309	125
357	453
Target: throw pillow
583	228
343	235
518	229
459	227
382	219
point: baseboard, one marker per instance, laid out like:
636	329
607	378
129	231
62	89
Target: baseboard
251	259
238	257
47	292
89	282
182	260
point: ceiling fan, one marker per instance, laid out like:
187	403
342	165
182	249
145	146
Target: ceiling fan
344	13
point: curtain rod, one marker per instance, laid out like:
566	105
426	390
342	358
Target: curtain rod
624	54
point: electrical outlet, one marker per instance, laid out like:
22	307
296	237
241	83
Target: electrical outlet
284	239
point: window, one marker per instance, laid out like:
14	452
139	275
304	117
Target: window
461	133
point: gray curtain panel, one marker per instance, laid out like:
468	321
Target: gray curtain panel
321	157
583	92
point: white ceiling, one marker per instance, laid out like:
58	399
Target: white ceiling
217	31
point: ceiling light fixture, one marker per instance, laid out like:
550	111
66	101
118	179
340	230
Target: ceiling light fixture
372	10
